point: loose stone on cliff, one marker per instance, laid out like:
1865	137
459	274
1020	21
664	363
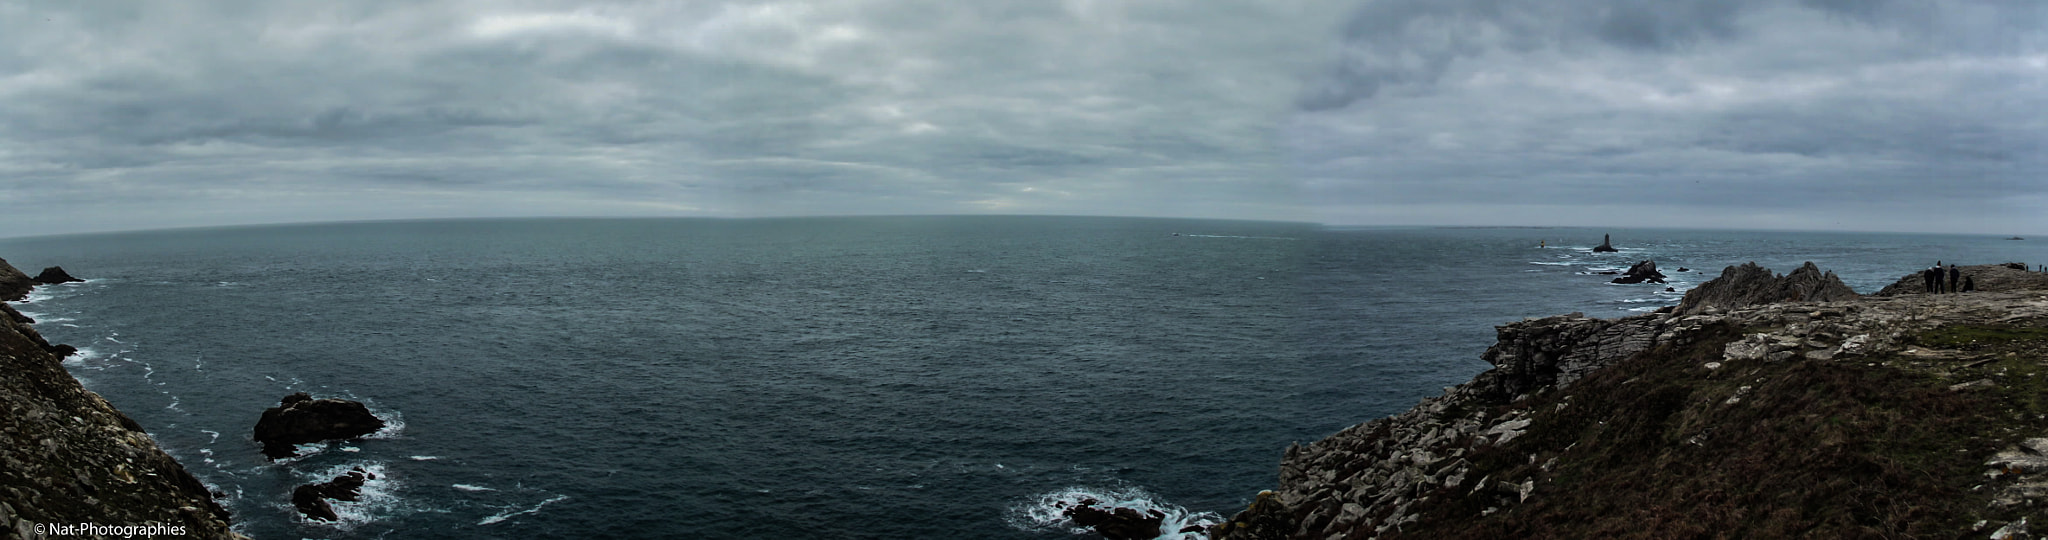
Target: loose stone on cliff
300	419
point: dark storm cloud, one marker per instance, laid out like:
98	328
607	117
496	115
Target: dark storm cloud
1405	111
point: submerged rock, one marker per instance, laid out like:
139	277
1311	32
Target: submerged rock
54	275
300	419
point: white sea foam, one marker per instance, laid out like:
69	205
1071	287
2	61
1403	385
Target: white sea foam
467	487
502	516
215	434
423	458
84	355
1547	263
1044	512
394	424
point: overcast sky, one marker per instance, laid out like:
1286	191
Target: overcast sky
1816	114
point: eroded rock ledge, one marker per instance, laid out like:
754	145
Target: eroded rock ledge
1814	414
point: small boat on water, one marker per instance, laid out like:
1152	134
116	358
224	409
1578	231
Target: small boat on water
2015	238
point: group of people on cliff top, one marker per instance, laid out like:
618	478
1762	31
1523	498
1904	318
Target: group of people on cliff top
1932	278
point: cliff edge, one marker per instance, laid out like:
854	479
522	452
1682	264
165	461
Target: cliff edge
1812	414
67	457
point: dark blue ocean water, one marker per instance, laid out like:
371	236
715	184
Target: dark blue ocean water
902	377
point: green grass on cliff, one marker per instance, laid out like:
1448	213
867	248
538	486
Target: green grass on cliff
1873	447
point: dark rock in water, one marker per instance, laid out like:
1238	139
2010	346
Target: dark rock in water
1116	523
14	285
307	499
1606	245
54	275
1684	269
311	499
1607	272
300	419
1750	284
1641	272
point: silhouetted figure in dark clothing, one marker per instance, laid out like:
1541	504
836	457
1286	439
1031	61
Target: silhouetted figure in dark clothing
1927	280
1955	278
1939	286
1969	284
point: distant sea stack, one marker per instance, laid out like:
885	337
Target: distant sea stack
1764	406
67	457
1606	245
55	275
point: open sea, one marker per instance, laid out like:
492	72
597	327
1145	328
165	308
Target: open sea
872	377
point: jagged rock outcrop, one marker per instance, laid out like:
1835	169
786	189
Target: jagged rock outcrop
311	499
14	285
55	275
1850	417
300	419
69	457
1986	278
1749	284
1641	272
1606	245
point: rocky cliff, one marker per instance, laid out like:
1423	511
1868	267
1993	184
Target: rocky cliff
14	285
67	457
1763	407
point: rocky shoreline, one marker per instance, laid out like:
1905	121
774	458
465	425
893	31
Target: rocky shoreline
1763	405
68	457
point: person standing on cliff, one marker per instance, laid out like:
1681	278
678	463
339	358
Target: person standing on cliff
1955	278
1927	280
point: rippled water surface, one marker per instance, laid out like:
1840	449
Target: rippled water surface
914	377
